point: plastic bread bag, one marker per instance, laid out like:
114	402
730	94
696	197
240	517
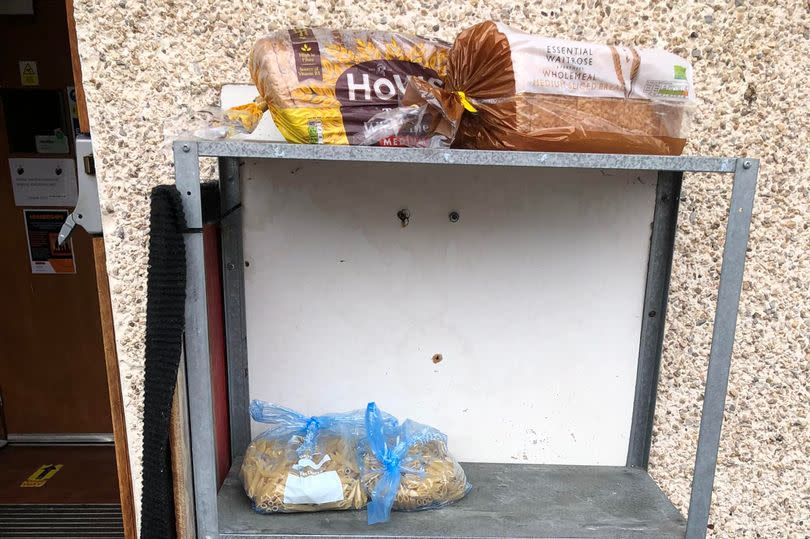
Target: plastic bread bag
407	468
322	86
213	123
304	463
505	89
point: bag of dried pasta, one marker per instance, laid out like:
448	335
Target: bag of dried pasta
407	468
322	86
303	463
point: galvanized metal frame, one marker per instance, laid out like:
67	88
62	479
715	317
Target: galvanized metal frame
196	346
653	316
248	149
233	293
670	171
725	323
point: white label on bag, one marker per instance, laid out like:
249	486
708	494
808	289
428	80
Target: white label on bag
557	66
319	488
309	463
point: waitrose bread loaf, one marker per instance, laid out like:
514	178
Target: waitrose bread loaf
505	89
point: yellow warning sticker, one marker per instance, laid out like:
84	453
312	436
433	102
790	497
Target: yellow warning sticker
28	73
41	476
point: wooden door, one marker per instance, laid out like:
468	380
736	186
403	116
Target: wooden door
52	364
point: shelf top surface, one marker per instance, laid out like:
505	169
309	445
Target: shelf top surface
507	500
280	150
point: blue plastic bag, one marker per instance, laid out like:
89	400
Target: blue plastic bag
407	467
284	422
305	463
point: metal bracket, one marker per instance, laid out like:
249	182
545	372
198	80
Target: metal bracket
87	212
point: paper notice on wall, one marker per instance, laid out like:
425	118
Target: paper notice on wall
47	256
43	182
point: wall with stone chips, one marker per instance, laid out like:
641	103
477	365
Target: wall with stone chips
146	62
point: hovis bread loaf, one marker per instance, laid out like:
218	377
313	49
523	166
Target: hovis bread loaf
322	86
505	89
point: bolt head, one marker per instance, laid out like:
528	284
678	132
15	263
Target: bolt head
747	164
186	148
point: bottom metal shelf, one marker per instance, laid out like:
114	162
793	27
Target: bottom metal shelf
507	500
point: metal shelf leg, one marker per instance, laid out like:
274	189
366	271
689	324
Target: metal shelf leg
725	321
197	354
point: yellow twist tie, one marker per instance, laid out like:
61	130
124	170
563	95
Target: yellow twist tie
465	103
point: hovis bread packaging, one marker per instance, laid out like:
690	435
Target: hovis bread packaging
322	86
505	89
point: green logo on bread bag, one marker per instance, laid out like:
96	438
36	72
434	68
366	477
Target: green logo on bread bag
315	131
680	72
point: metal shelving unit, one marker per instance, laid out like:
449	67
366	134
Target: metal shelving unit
508	500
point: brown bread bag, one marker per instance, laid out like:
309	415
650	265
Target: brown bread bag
322	86
509	90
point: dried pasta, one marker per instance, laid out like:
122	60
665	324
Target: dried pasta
303	463
441	479
407	468
348	461
268	464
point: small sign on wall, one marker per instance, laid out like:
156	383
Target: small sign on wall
29	76
43	182
47	256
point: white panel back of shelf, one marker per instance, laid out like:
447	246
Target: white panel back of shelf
533	299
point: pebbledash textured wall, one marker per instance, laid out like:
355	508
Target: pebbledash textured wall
146	62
